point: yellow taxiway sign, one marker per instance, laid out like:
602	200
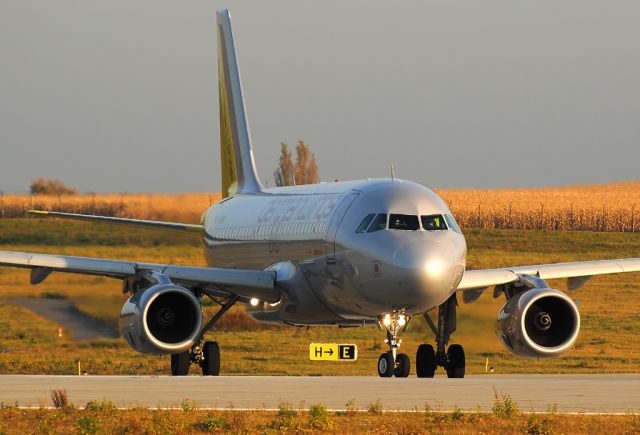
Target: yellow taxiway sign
333	352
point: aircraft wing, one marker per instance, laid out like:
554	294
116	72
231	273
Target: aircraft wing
123	221
246	283
474	282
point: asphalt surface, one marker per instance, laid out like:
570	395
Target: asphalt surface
79	325
566	393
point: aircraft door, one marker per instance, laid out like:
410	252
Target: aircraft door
334	224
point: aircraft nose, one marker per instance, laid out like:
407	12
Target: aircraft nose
429	268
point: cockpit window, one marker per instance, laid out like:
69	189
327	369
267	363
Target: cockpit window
379	223
365	223
433	222
403	222
452	223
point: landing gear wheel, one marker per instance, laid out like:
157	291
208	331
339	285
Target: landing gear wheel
386	365
425	361
180	364
210	359
455	361
403	366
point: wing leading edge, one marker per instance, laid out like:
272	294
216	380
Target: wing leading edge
474	282
242	282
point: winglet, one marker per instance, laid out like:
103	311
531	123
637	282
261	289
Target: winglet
239	173
37	212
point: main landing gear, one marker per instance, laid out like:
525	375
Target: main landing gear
396	364
206	355
453	361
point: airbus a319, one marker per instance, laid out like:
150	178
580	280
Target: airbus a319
357	253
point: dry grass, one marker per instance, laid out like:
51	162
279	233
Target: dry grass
105	418
60	399
600	207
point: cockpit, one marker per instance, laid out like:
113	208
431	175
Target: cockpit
406	222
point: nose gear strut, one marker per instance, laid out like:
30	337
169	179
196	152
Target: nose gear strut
392	363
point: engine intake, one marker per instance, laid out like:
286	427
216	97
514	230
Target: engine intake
538	323
162	319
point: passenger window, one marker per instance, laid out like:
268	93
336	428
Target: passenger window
365	223
379	223
403	222
434	222
452	223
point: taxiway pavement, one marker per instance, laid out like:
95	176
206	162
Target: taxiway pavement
566	393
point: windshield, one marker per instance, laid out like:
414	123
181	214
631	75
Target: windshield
365	223
403	222
433	222
380	223
452	223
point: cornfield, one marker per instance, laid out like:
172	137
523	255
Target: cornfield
603	207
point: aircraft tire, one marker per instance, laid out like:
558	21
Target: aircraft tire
455	361
180	364
386	365
425	361
403	366
211	359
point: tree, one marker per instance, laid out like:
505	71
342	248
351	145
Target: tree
45	186
284	172
305	170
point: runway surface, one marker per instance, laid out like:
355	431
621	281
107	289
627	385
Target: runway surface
569	393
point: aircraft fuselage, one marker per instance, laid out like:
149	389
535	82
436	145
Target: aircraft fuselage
355	272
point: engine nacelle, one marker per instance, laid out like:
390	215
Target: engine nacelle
162	319
538	323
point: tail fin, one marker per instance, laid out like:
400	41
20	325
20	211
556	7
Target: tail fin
238	167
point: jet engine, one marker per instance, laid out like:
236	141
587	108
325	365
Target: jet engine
538	323
162	319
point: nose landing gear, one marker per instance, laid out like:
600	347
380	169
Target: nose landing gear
453	360
392	363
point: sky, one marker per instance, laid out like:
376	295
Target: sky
121	96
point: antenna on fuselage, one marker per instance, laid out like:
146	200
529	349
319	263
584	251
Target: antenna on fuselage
393	173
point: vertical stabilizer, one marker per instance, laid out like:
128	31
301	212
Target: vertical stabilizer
236	153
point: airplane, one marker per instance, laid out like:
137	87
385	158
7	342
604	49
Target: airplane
356	253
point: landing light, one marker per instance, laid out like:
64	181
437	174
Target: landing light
254	302
387	320
434	267
402	320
